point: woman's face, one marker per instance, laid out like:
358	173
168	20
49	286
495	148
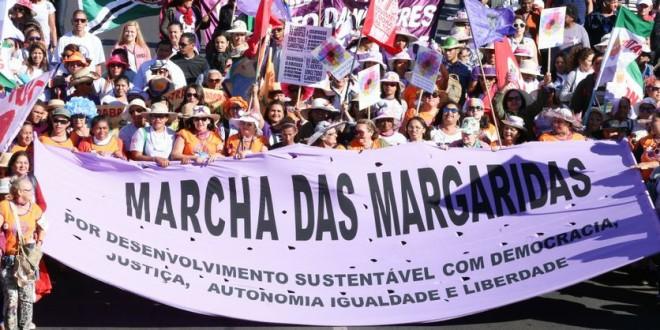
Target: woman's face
275	113
317	115
389	88
191	96
450	115
78	122
21	166
475	111
237	39
121	88
60	124
415	130
401	65
401	42
101	130
115	70
201	124
624	109
464	55
24	193
37	56
586	63
560	126
595	120
130	33
221	43
330	138
38	114
513	102
510	134
385	125
560	64
25	136
519	25
158	121
363	133
247	130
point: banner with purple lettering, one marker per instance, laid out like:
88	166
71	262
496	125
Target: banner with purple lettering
325	237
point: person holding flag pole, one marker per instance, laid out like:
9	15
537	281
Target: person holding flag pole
488	25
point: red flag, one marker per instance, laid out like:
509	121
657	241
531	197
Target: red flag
506	64
261	23
380	23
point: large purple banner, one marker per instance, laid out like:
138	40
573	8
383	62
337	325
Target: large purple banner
312	236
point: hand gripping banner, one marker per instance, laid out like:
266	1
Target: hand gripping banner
312	236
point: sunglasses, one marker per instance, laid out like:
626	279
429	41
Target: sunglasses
191	94
430	95
60	121
519	25
450	110
390	84
278	29
159	116
655	88
80	20
200	119
136	112
475	108
215	80
37	38
513	98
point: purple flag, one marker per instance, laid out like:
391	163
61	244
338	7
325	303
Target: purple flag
488	25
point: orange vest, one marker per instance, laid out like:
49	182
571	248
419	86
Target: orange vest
548	137
45	139
28	225
355	145
234	142
87	145
192	144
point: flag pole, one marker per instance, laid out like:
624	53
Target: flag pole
320	12
489	97
233	13
419	102
348	84
549	57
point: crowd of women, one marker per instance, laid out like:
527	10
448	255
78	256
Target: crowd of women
467	109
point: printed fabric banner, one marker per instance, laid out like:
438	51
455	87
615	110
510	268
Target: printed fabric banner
368	86
15	108
551	32
297	64
305	235
109	14
505	64
416	16
488	25
426	69
334	57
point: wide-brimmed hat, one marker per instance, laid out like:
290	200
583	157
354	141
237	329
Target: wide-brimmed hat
54	104
26	4
61	112
400	31
460	33
160	108
247	118
373	57
135	103
4	158
392	77
470	125
201	111
386	113
321	128
515	122
604	41
84	75
522	51
319	104
76	57
451	43
564	114
489	45
239	27
488	71
116	59
530	67
400	56
159	85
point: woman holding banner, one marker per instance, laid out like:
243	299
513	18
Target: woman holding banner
101	141
447	130
199	144
249	138
24	229
154	143
366	136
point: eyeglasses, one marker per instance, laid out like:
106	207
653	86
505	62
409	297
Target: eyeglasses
392	84
655	88
36	38
430	95
191	94
215	80
513	98
450	110
60	121
200	119
475	108
278	29
80	20
519	25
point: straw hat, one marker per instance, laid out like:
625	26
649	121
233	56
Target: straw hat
55	104
201	111
523	52
392	77
84	75
239	27
460	33
530	67
135	103
386	113
564	114
319	104
373	57
401	31
248	118
515	122
160	108
321	128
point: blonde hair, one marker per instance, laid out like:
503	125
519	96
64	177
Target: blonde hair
139	39
15	185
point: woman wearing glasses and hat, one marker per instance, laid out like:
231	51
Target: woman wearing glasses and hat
199	143
366	136
116	68
325	136
320	110
57	135
564	127
248	140
391	89
82	83
154	143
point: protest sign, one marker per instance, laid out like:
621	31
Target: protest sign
347	238
551	28
15	108
297	64
334	58
426	69
506	66
368	85
416	16
380	23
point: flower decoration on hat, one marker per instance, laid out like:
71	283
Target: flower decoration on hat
78	105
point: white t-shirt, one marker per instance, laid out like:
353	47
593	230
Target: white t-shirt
153	144
92	46
394	139
440	137
144	73
43	9
398	108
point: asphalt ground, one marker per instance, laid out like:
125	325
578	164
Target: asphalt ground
622	299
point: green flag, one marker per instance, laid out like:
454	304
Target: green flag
108	14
